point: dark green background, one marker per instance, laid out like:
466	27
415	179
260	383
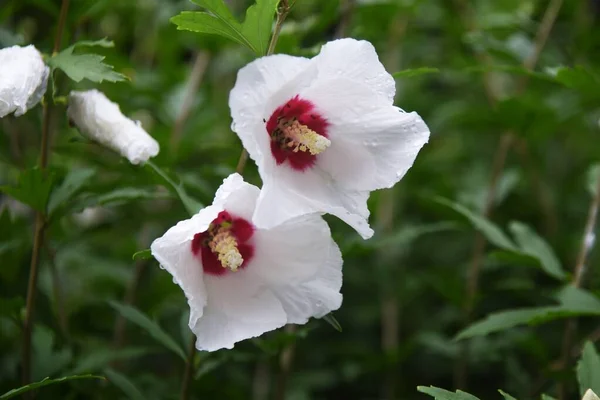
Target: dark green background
404	290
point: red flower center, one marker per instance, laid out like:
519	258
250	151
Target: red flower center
226	245
298	133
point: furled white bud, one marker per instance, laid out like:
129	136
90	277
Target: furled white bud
23	79
101	120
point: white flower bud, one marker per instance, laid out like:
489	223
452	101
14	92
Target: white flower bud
23	79
101	120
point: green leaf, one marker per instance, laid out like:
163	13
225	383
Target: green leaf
123	383
588	369
535	315
140	319
443	394
85	66
533	245
191	205
330	319
408	234
546	397
580	299
142	255
253	33
506	395
100	358
119	196
258	23
493	233
412	72
45	382
104	42
202	22
33	189
579	79
72	183
11	307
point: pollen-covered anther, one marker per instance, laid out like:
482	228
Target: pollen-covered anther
302	138
226	247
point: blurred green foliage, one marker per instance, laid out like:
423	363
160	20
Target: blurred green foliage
458	63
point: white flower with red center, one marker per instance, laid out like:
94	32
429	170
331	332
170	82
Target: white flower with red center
23	79
102	121
324	132
242	281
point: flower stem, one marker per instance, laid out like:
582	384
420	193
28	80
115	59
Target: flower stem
194	80
506	141
40	221
390	307
189	370
587	242
282	13
286	359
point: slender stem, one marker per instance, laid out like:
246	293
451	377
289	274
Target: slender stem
282	13
286	359
62	19
261	380
129	299
38	239
189	370
540	40
385	213
587	242
346	9
506	140
194	80
40	221
241	164
59	302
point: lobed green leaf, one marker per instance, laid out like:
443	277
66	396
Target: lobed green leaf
253	33
85	66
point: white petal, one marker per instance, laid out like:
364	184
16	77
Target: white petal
303	266
256	85
237	196
590	395
373	142
173	252
101	120
356	60
287	194
239	307
23	79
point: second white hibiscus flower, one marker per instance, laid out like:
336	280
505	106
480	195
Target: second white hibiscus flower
324	132
242	281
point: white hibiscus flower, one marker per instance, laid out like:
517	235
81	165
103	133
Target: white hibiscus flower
242	281
23	79
323	132
101	120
